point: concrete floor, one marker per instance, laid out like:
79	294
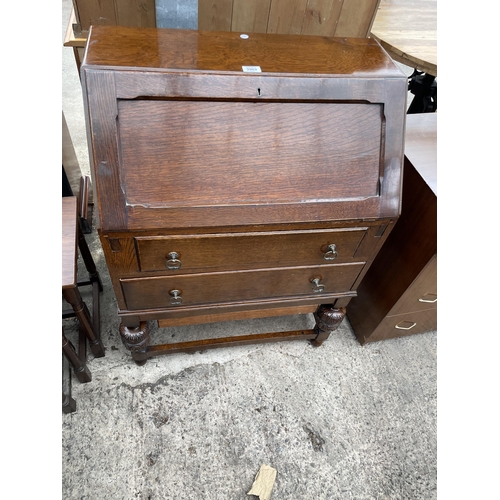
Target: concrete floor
337	422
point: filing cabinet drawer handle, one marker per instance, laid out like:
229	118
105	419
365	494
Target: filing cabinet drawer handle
173	261
427	301
176	298
318	287
405	327
331	253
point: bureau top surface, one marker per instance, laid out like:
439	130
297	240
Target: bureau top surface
211	51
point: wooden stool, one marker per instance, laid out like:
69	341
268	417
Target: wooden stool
89	327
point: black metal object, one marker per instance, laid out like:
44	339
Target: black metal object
424	87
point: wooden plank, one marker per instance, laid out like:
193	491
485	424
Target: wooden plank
141	13
69	242
232	316
286	16
321	17
250	16
201	345
94	12
356	18
215	15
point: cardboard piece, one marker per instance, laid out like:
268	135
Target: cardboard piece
263	483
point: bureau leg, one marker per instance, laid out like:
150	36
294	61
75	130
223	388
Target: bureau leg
327	319
136	340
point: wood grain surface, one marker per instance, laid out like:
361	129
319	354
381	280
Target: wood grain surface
407	29
173	49
235	286
258	153
317	135
249	250
349	18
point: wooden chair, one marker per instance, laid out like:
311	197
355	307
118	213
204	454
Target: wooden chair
89	326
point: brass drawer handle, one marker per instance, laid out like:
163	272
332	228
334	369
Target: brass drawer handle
427	301
331	253
407	327
176	298
173	261
318	287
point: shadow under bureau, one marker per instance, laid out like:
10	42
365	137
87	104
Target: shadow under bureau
239	175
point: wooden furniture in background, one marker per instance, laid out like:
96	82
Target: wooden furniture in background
76	42
265	182
73	182
140	13
398	295
350	18
407	29
72	241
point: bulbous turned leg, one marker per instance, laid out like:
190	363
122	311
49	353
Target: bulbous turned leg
136	340
328	320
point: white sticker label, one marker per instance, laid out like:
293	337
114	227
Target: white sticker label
251	69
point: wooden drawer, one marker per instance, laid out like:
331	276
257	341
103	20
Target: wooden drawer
405	324
421	294
157	292
248	250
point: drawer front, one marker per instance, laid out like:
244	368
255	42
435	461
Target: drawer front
180	254
405	324
421	294
224	287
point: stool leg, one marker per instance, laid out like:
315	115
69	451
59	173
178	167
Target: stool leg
73	297
68	403
88	260
81	370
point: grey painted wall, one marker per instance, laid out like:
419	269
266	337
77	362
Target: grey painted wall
177	14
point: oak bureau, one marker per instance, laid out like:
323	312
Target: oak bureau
239	175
